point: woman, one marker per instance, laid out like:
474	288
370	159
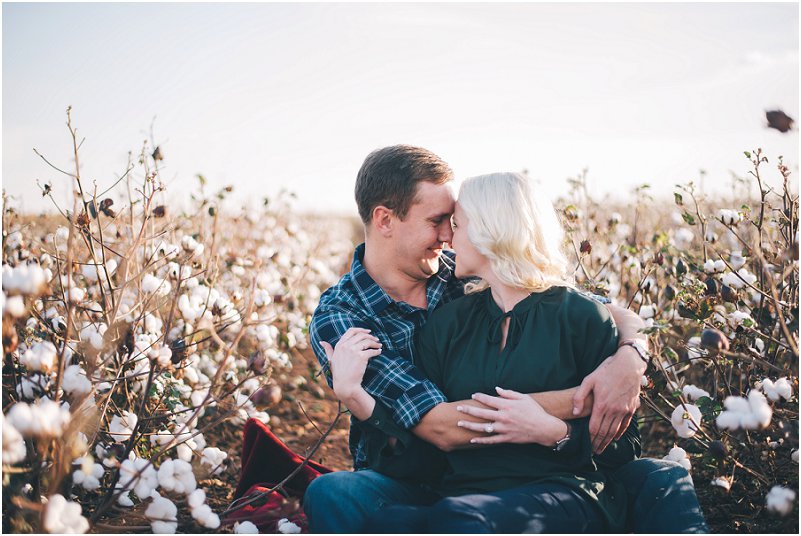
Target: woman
541	335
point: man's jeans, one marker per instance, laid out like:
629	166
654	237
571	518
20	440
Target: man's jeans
661	498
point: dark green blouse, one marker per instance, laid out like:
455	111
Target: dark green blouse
555	339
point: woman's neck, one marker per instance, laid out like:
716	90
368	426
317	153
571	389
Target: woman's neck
506	296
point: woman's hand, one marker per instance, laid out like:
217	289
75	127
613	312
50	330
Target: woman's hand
516	418
348	362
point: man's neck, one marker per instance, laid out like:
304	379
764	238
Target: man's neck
398	285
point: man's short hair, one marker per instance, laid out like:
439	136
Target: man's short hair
389	177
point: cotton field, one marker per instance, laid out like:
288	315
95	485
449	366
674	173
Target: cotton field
132	330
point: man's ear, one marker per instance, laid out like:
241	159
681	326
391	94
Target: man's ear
383	220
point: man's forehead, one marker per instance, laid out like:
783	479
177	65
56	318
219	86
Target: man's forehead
434	200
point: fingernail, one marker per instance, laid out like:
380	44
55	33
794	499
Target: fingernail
473	395
472	440
460	423
575	411
459	408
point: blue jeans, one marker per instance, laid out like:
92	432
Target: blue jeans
533	508
662	498
341	502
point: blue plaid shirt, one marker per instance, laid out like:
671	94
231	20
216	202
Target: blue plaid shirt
391	378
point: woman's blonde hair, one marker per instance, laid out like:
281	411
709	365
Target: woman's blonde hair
516	230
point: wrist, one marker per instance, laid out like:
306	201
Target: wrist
556	430
635	351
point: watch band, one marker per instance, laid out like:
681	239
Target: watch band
639	347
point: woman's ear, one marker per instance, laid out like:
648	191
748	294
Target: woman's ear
383	220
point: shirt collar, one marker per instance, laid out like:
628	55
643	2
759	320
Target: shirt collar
376	299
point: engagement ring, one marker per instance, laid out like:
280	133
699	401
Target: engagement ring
489	429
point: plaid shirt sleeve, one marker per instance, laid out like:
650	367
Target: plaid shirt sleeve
391	379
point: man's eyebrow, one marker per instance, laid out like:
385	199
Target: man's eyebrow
440	216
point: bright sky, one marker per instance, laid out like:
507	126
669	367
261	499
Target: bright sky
265	96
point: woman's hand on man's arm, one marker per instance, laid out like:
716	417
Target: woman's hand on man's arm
348	363
513	418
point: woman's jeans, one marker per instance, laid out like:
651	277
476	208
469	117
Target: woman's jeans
661	499
533	508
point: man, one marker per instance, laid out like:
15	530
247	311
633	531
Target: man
398	276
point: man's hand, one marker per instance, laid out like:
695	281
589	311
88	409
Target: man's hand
515	418
615	386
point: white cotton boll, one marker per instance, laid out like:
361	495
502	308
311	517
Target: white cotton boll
729	217
205	517
75	294
644	381
177	476
214	458
737	318
138	475
783	388
23	279
646	312
93	334
711	236
694	348
192	246
161	354
794	456
285	526
121	426
64	517
45	418
14	306
737	260
163	515
759	345
40	357
693	393
780	500
722	482
89	474
683	237
750	414
14	450
124	499
686	419
245	527
75	381
152	284
196	498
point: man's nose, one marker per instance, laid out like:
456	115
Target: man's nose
445	232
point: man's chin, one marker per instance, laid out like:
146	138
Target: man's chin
430	266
